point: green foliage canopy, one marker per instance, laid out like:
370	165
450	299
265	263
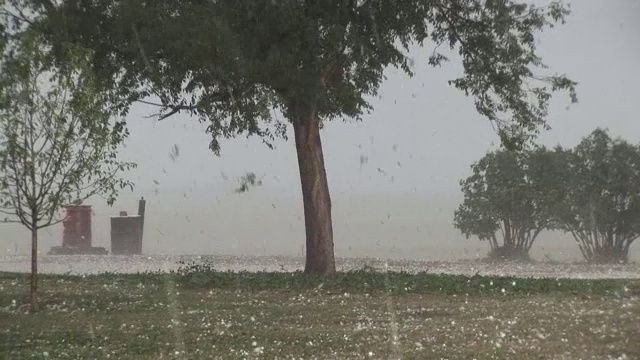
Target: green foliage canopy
231	63
601	206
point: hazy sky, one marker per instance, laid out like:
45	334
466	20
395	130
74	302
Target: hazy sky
422	134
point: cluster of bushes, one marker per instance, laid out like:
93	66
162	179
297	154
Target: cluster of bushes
591	191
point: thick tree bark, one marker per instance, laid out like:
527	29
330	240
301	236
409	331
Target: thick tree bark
315	191
33	294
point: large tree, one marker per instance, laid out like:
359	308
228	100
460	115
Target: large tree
235	63
601	205
58	143
510	198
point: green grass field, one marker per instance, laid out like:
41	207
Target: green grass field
198	313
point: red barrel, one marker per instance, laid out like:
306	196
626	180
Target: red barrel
76	231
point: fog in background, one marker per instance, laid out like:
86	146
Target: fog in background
419	142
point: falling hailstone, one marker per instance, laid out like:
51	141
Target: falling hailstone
175	152
363	160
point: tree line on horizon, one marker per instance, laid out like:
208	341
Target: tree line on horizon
591	191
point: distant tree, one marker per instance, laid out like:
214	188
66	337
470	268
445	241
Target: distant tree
509	199
57	141
601	208
236	63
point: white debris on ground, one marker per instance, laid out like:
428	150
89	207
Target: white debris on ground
94	264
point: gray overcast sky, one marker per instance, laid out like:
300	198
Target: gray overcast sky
403	210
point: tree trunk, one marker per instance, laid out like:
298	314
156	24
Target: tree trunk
33	304
315	191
